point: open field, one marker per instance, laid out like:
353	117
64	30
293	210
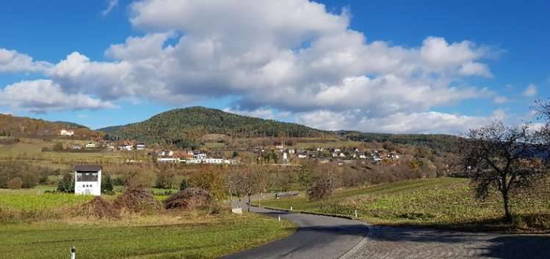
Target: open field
438	202
30	150
35	224
207	236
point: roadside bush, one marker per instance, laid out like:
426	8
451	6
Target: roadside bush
189	199
15	183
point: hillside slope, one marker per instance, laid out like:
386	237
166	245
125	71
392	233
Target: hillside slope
13	126
189	124
439	142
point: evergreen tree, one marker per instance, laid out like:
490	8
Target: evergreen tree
66	184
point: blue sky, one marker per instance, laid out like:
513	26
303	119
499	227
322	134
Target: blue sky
506	40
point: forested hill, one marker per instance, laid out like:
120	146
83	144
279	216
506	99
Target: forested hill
440	142
13	126
187	125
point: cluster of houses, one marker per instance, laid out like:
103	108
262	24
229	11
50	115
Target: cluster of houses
190	157
320	153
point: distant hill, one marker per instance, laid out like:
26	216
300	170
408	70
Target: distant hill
183	126
440	142
13	126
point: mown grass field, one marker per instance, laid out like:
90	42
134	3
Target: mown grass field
441	202
209	237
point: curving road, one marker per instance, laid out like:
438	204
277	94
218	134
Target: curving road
328	237
316	237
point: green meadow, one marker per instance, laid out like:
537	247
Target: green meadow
436	202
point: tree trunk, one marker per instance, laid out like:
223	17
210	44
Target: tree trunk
249	202
507	212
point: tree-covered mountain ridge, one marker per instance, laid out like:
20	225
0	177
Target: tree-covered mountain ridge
191	123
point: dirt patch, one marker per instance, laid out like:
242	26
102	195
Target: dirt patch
189	199
137	200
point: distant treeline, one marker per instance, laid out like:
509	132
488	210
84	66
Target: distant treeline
438	142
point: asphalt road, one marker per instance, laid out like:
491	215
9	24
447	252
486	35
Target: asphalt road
329	237
316	237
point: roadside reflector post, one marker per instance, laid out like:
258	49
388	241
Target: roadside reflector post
73	252
290	208
356	213
279	218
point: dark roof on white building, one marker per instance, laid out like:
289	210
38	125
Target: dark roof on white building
87	168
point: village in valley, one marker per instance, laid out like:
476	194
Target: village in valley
245	129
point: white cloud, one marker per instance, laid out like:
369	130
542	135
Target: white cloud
13	61
421	122
530	91
289	55
45	95
110	5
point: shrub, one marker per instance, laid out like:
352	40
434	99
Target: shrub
107	184
165	178
321	188
15	183
184	184
66	184
210	179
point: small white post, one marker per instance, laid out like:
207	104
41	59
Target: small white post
279	218
73	252
356	213
290	208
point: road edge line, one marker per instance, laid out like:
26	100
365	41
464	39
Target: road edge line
358	246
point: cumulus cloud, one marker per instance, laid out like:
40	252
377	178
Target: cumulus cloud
44	95
13	61
417	122
530	91
289	55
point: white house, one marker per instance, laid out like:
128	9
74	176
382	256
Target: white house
64	132
87	179
91	145
140	146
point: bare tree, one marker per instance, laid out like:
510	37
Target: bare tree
248	180
497	157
